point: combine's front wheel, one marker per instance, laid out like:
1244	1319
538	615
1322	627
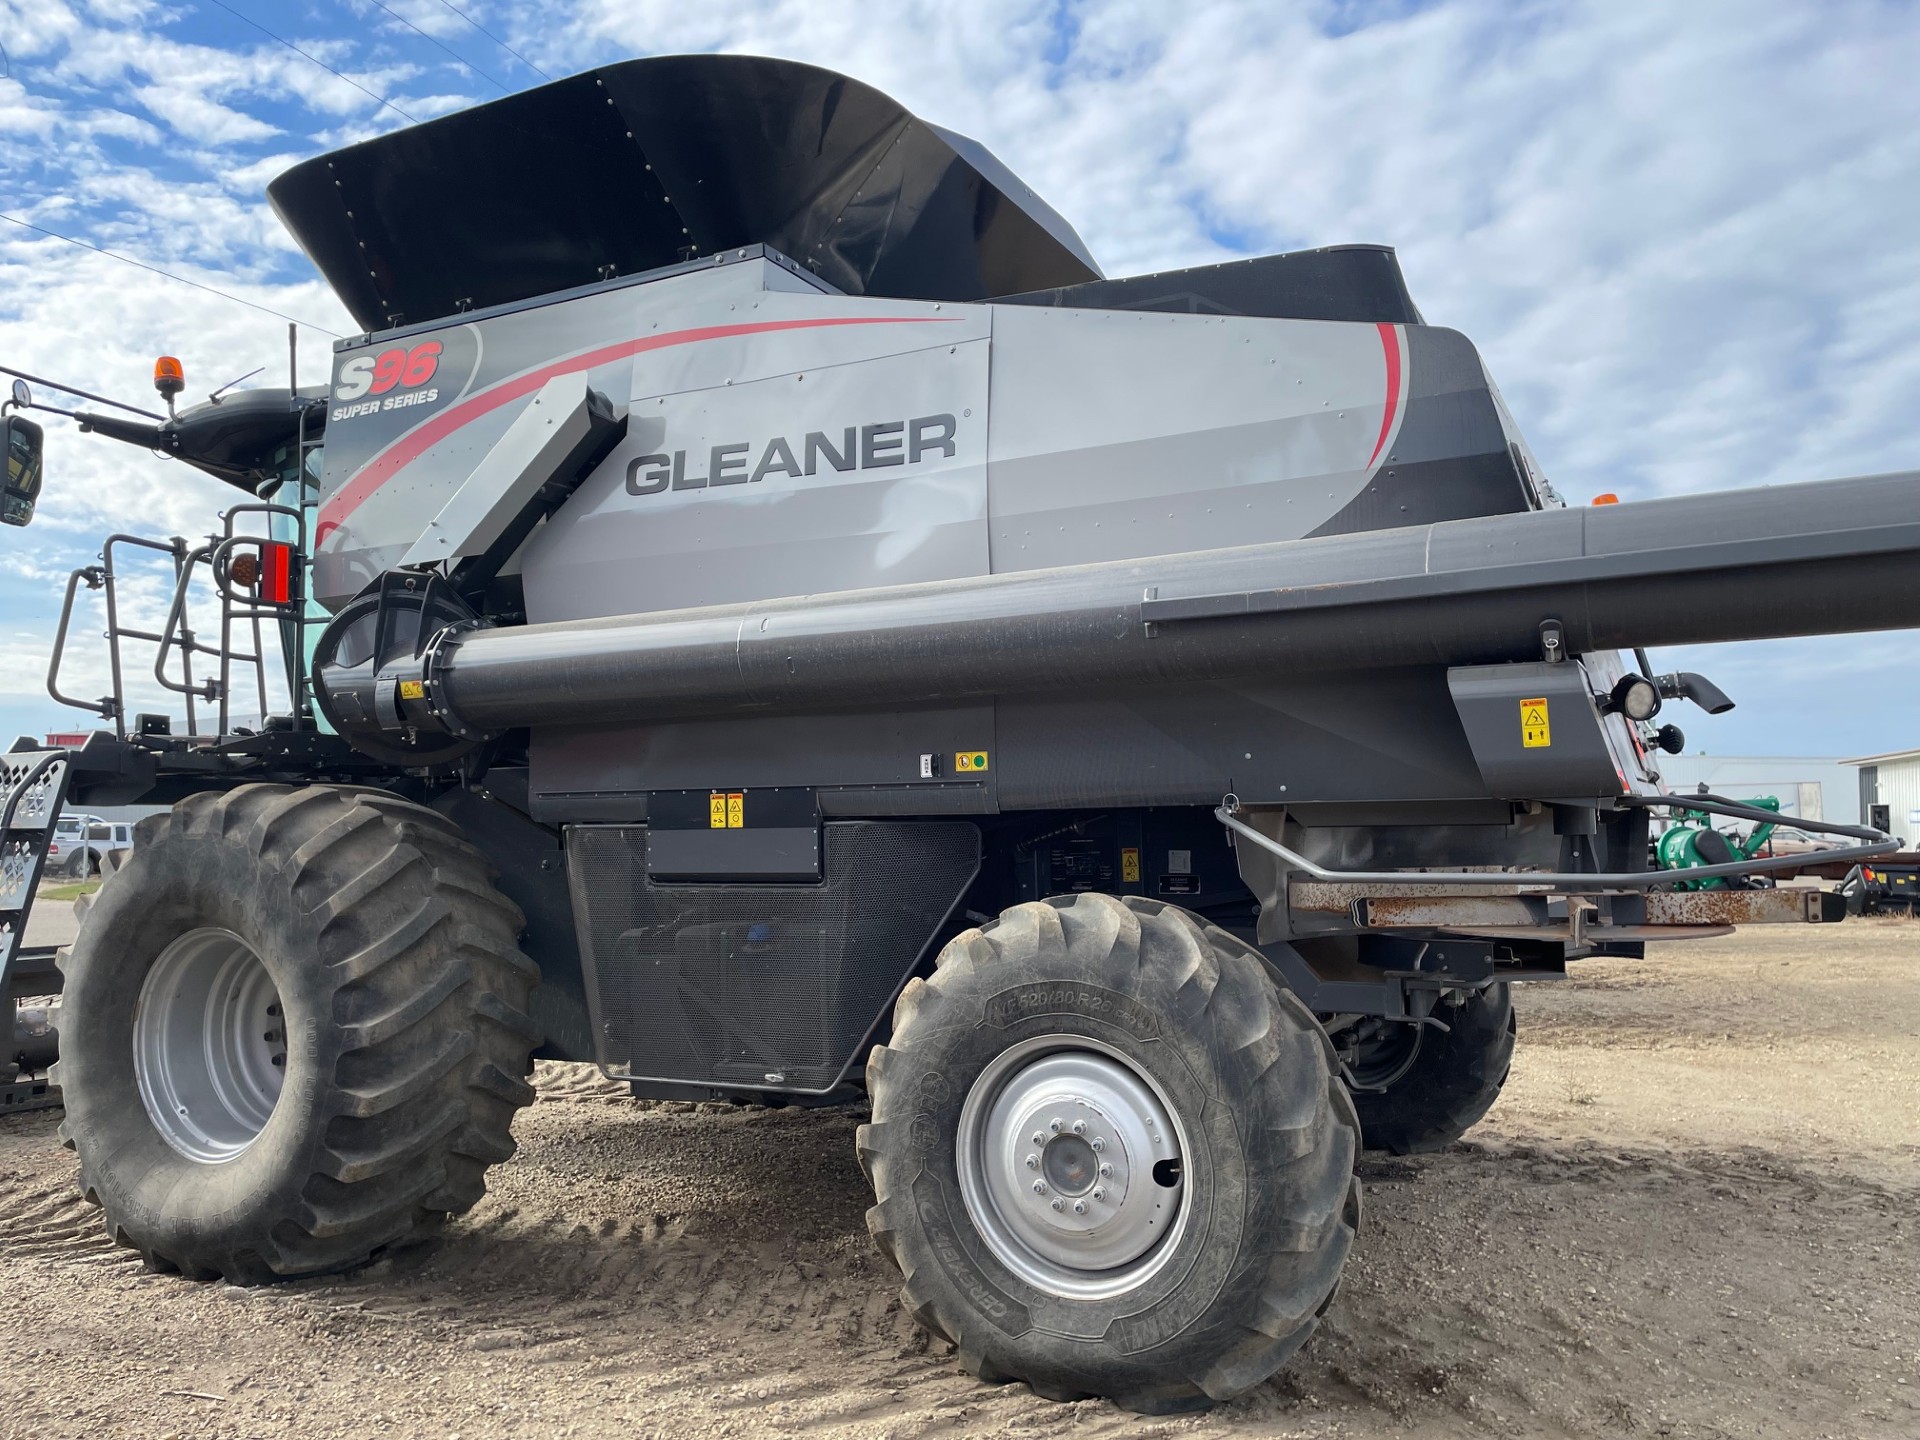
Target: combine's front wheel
294	1032
1110	1156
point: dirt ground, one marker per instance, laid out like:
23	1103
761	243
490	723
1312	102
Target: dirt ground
1695	1212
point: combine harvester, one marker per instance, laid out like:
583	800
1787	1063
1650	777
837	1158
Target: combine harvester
790	630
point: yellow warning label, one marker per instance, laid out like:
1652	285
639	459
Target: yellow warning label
970	760
1534	730
736	810
717	811
412	690
1129	865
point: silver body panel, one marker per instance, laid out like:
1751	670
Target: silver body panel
1077	436
1119	434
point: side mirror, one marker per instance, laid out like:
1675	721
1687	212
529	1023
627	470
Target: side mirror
20	444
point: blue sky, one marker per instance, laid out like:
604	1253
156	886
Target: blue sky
1686	238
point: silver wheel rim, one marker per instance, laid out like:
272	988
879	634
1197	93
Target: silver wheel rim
209	1045
1072	1165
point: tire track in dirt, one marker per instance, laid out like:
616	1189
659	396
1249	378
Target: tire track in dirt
38	1218
704	1307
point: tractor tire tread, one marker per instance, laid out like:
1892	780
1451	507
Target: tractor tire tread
1266	1041
421	976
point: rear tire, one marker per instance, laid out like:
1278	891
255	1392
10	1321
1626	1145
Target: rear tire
1132	1019
1453	1080
362	1103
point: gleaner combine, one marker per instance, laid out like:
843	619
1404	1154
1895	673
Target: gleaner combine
789	629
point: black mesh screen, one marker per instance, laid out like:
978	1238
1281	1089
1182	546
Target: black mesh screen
764	986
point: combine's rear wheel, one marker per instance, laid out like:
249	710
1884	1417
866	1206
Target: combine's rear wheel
1436	1085
1111	1157
294	1032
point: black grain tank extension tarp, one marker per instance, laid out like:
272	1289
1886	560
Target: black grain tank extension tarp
651	162
1337	282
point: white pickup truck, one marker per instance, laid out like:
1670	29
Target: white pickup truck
81	844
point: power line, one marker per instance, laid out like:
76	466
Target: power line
495	38
166	274
458	59
316	60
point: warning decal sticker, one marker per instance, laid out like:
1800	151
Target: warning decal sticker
1534	730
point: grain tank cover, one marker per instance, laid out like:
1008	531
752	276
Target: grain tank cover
651	162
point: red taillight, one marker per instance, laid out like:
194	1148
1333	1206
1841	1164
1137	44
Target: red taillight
1868	872
276	574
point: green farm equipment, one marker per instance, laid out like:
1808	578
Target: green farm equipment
1691	842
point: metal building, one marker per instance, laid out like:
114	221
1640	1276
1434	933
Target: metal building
1808	787
1890	792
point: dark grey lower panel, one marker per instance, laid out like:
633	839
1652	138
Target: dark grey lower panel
759	986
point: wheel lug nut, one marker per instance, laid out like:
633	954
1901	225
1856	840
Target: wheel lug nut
1038	1138
1033	1162
1079	1127
1099	1142
1079	1207
1055	1125
1059	1204
1106	1172
1099	1192
1039	1187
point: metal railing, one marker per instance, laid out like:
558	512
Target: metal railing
1877	842
178	642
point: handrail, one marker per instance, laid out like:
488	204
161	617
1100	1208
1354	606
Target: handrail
174	549
177	632
176	619
108	707
1588	882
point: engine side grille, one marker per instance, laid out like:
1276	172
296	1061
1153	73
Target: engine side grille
768	986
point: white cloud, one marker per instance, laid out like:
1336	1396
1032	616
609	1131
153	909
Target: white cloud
188	112
22	113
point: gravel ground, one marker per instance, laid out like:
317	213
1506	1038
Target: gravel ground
1693	1213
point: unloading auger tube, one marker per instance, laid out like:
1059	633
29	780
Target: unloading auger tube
1822	558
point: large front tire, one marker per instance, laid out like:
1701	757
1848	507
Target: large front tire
294	1032
1220	1203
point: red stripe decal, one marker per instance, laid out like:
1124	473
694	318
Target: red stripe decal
1390	343
416	442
